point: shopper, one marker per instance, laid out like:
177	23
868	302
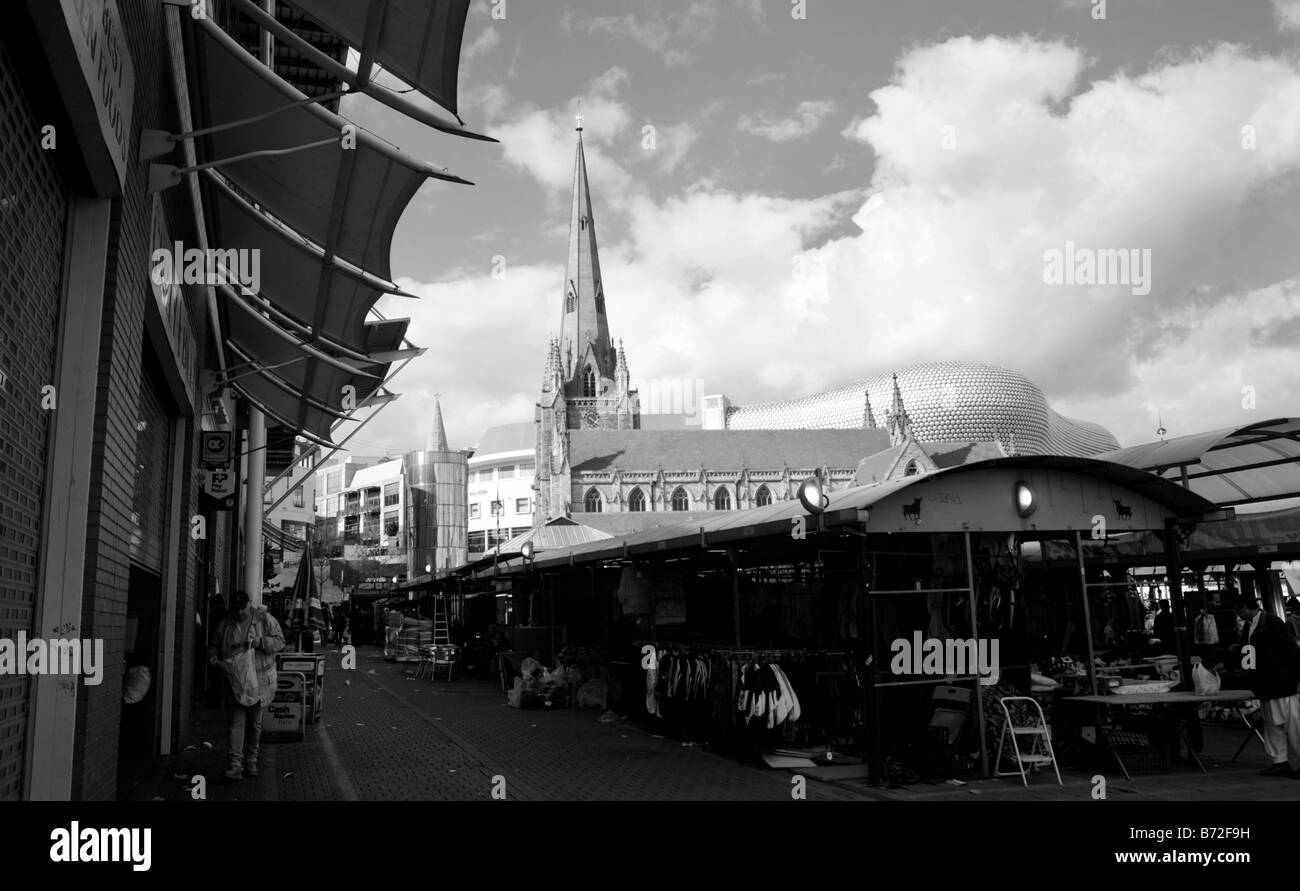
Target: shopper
243	629
1273	676
1293	615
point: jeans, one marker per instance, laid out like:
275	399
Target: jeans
245	731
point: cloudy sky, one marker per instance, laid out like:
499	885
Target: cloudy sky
788	203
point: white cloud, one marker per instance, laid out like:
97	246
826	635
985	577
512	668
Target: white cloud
808	118
675	35
1287	13
488	39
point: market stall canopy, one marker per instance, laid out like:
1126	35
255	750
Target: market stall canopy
558	533
1233	466
969	497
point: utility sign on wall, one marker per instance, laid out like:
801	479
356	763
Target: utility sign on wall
216	449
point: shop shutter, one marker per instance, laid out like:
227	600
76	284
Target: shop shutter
33	213
153	469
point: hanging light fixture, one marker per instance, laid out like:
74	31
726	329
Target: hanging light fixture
1026	500
812	496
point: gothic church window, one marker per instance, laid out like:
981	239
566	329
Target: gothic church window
764	497
636	501
589	384
680	501
592	502
722	500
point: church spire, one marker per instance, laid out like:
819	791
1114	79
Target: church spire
583	315
438	434
897	419
868	416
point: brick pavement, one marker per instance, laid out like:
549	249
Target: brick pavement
385	736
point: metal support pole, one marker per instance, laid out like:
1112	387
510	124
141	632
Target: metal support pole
253	506
870	703
974	628
1087	612
735	592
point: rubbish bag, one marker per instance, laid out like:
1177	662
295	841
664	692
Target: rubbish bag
1204	680
242	674
135	686
593	694
531	668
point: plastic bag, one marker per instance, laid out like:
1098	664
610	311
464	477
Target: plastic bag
593	694
135	686
1204	680
242	674
531	668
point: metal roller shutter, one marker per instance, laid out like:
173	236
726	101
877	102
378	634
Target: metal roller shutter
33	213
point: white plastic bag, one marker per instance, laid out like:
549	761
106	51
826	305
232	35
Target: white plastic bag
1204	680
242	674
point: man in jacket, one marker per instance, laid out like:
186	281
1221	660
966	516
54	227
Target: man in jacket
245	628
1273	672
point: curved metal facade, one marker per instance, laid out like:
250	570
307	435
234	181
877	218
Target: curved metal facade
947	401
436	513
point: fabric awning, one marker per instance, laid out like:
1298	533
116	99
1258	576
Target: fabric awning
294	273
1233	466
417	40
347	200
301	392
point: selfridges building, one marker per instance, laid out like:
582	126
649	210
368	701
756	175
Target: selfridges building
946	401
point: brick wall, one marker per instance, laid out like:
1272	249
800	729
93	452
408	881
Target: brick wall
117	404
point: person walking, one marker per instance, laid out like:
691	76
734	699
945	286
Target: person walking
1273	672
244	644
1293	615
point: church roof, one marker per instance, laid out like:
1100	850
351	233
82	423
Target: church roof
720	450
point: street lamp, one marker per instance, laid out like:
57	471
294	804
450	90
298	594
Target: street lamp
1026	502
812	495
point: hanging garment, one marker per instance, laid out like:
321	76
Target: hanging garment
1207	630
792	710
651	701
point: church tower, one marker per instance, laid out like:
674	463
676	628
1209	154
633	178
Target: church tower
897	421
586	384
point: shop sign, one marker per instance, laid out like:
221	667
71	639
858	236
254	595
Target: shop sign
284	716
99	43
169	294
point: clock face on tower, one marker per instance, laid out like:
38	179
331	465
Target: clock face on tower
590	419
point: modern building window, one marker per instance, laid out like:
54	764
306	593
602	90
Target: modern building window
474	511
636	501
333	481
592	502
297	497
525	469
506	472
680	501
521	505
763	497
722	499
477	542
391	494
498	508
268	496
391	525
589	383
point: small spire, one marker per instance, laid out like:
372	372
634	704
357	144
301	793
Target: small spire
900	424
868	416
438	433
578	117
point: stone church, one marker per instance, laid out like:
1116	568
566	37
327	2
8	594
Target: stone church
597	463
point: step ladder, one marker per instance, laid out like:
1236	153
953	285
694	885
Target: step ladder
1031	739
441	654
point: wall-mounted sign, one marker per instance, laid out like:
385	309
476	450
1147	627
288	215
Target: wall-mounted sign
100	89
215	449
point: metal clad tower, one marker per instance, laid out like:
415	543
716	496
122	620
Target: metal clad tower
436	512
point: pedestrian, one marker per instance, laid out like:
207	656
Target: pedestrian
1273	673
245	630
1206	634
341	624
1293	615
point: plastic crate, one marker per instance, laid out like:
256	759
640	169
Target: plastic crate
1145	761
